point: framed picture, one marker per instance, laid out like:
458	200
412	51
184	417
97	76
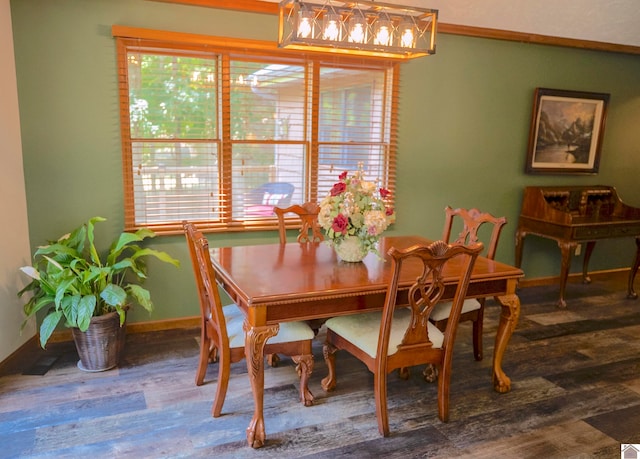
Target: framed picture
566	132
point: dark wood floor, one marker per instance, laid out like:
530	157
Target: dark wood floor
575	393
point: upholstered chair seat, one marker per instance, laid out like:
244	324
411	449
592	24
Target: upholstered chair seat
442	310
362	330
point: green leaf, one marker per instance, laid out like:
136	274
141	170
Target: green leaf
33	286
49	324
163	256
64	288
54	263
56	249
122	265
86	308
123	241
93	274
122	313
69	307
141	295
93	253
144	233
36	304
114	295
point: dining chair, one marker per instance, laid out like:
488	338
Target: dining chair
222	336
260	201
401	335
473	308
308	231
307	213
208	349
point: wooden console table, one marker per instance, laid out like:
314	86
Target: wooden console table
572	215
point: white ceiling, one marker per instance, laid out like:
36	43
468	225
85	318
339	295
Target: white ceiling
608	21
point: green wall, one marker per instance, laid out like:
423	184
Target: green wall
464	122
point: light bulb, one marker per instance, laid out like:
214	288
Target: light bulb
383	36
406	39
304	27
357	30
331	27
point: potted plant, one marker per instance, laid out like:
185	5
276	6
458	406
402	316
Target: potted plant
91	292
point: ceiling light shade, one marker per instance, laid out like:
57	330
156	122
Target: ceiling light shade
365	28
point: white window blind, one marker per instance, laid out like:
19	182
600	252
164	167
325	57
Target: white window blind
174	142
268	136
220	136
354	123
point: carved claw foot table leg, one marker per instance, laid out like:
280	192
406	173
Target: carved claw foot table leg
256	337
508	320
631	293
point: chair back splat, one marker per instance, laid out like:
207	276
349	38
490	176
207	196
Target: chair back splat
471	220
309	229
401	335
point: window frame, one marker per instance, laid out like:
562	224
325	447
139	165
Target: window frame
127	38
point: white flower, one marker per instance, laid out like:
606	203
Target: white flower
368	187
324	216
375	221
31	272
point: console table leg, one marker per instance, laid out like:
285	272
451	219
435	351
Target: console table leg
631	293
585	264
566	249
519	246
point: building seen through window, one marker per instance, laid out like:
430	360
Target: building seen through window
220	137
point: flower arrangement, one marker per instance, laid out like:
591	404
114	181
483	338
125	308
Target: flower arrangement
355	208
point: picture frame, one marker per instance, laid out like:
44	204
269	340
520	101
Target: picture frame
567	128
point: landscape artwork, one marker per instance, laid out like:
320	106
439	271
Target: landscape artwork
566	132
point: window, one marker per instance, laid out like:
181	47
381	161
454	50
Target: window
221	134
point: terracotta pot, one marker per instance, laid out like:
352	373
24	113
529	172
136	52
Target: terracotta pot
101	346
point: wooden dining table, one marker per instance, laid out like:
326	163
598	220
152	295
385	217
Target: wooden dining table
275	283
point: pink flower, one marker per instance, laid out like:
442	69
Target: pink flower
338	188
384	192
340	224
343	175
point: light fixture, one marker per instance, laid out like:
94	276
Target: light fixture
365	28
